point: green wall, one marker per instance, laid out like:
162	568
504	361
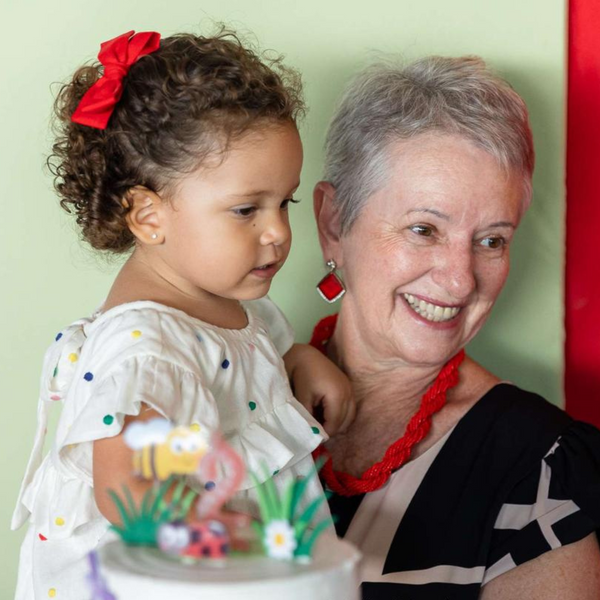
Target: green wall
48	279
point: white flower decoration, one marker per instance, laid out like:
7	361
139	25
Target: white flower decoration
280	540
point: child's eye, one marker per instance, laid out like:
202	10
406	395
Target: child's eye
286	203
493	242
244	211
422	230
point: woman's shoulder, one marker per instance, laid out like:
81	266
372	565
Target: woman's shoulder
510	427
504	435
508	407
490	404
514	431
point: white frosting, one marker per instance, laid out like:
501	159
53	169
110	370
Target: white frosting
141	572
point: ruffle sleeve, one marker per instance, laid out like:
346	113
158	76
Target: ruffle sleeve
278	327
59	359
575	464
59	497
171	390
557	504
278	439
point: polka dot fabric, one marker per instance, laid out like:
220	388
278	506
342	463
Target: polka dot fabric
105	368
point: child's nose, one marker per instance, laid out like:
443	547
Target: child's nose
276	231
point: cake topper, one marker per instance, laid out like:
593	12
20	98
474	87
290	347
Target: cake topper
161	450
140	524
203	539
175	458
287	531
222	472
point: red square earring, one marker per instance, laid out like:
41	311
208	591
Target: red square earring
331	287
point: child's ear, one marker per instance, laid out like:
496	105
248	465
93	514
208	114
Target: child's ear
144	216
327	215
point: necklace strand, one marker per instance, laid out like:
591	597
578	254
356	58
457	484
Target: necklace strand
399	451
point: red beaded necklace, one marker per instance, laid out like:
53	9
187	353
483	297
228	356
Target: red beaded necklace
399	451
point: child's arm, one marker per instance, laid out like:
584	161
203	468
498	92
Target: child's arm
113	469
320	385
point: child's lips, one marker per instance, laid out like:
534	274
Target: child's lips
266	271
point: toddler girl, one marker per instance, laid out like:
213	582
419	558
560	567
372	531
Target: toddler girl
186	150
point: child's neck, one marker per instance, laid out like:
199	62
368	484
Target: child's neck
138	280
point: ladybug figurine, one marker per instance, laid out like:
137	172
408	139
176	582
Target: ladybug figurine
200	540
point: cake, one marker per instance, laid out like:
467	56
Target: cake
178	544
133	572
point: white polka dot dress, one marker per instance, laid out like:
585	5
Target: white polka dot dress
104	368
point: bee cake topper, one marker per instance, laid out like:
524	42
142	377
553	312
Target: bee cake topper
161	450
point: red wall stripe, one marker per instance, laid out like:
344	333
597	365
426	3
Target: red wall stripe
582	274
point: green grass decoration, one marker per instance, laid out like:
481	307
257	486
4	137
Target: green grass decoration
274	507
287	502
306	545
304	520
139	526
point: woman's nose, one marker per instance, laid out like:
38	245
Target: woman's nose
276	230
455	273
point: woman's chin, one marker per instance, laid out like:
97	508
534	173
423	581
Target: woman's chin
422	354
425	342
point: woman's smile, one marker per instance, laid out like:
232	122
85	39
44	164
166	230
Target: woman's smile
432	312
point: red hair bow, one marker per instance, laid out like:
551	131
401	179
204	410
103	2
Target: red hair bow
116	55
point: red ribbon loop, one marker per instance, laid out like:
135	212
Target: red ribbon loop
116	56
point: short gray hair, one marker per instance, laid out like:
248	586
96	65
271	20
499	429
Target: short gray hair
387	102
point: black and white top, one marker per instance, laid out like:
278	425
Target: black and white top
516	477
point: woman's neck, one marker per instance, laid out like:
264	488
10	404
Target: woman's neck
388	393
375	375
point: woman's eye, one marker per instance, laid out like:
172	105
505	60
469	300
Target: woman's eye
286	203
244	211
494	243
422	230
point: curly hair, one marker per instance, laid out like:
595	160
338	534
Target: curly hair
189	99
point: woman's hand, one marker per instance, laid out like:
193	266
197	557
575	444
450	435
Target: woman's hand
321	387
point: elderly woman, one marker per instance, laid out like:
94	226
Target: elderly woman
452	483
